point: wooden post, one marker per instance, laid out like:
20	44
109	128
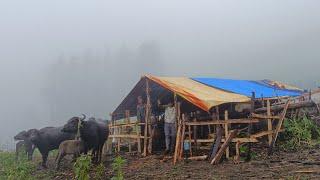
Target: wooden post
237	158
182	137
138	137
146	119
178	136
127	113
250	125
119	139
189	131
151	131
274	139
226	131
195	134
269	121
224	146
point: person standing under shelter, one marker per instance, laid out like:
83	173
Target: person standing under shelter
141	113
169	125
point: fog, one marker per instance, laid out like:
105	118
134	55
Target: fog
60	58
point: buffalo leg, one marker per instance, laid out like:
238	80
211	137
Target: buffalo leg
44	159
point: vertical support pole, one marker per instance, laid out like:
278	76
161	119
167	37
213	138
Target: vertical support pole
269	122
226	132
128	122
237	158
146	119
182	136
250	125
119	139
190	143
151	131
178	135
138	137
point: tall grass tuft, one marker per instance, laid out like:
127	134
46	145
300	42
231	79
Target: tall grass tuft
117	168
82	167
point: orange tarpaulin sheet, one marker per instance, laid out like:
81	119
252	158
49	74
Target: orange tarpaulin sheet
201	95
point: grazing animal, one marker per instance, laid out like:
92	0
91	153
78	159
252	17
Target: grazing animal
70	147
93	133
47	139
25	144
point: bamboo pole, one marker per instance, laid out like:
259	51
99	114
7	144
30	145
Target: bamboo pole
226	132
146	119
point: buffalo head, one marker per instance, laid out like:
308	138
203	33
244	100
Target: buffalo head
72	124
23	135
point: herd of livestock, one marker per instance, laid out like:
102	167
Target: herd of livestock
75	137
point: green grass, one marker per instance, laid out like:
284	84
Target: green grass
12	169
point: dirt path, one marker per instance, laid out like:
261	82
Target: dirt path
279	166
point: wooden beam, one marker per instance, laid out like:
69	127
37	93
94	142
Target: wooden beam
291	106
260	116
275	136
224	146
130	136
242	140
264	133
124	125
198	158
222	122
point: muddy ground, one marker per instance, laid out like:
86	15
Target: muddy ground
281	165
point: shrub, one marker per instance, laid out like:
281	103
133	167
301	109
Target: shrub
299	133
82	167
117	168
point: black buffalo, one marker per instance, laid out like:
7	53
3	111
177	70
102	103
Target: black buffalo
93	133
24	144
47	139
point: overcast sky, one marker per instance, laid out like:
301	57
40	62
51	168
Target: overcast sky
233	39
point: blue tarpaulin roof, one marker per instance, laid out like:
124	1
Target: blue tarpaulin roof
246	87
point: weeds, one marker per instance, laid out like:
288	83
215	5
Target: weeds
12	169
100	171
82	167
300	133
117	168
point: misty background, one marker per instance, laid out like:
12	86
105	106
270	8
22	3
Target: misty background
59	59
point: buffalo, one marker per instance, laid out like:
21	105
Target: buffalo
47	139
93	133
24	144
